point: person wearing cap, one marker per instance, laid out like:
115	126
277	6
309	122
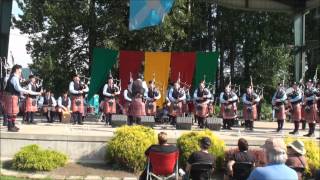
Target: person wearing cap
202	156
161	147
77	89
228	100
310	110
110	92
11	95
31	100
250	100
278	102
201	98
242	156
296	159
276	155
295	100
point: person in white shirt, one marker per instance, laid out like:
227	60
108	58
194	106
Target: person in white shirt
64	104
48	104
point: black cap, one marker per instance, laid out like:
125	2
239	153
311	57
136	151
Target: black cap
31	76
205	142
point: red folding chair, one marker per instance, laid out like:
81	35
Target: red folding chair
162	166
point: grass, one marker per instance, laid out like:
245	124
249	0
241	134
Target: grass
2	177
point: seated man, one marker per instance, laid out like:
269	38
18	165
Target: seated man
276	155
162	147
64	105
296	159
201	156
242	156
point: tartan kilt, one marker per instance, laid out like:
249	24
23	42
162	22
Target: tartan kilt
201	109
176	109
77	107
126	107
185	107
210	109
229	111
110	106
137	107
302	112
311	116
250	112
11	106
151	108
31	105
281	112
296	112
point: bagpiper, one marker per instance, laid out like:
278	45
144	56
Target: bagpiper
176	96
137	107
127	95
77	89
228	100
152	97
295	101
310	110
47	102
201	98
278	102
64	105
110	91
31	100
250	100
11	95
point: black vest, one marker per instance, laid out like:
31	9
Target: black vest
309	93
47	101
202	93
10	88
176	94
65	102
112	89
152	93
34	89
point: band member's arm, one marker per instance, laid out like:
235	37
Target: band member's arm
195	95
17	87
310	98
60	103
257	99
145	87
273	101
170	95
40	102
245	101
183	97
72	90
297	98
54	102
209	95
86	89
105	92
118	90
69	103
222	101
125	95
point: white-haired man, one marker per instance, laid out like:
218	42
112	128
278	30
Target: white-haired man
276	154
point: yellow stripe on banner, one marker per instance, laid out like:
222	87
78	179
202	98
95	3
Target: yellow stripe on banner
158	63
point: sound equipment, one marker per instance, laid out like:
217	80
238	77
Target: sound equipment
147	121
118	120
214	123
184	123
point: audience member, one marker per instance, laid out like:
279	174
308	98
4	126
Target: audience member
296	159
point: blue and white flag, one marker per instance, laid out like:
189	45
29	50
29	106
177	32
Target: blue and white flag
144	13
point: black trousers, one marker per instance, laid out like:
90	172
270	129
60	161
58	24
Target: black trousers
77	117
29	117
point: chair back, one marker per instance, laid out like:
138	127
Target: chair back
163	164
201	171
242	170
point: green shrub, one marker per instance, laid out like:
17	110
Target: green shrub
313	154
126	149
189	143
34	158
266	111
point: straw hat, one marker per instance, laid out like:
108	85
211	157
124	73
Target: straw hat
298	146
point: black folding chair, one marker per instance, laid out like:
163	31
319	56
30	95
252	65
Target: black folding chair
201	171
241	170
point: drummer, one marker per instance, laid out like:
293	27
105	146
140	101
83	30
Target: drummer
64	105
48	104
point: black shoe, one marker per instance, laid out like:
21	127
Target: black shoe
13	129
309	135
229	128
80	123
293	132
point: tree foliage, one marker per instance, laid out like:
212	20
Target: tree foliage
65	32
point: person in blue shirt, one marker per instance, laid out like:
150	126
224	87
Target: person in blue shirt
276	155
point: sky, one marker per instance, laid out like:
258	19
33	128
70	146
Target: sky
17	42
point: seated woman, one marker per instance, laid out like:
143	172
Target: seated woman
296	159
241	163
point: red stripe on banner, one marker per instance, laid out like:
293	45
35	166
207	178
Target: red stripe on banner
129	61
183	62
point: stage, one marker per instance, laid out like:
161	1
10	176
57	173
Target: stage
87	143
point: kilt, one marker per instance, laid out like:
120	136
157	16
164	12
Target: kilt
311	115
302	112
296	112
281	112
137	107
110	106
250	112
176	109
201	109
151	108
229	111
126	107
31	105
210	109
77	104
185	107
11	106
